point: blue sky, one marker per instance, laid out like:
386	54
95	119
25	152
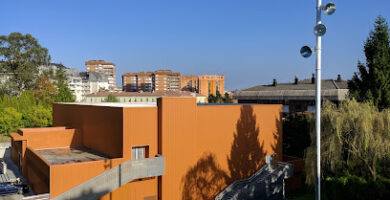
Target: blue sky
250	41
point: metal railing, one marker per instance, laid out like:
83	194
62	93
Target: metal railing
265	183
38	197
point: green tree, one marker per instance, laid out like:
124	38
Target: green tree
111	98
64	94
216	99
44	89
60	76
38	116
355	137
10	120
21	55
227	98
372	83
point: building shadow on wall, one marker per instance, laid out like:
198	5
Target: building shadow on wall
206	179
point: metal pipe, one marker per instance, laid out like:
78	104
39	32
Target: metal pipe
318	102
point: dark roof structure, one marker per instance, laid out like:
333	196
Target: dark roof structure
331	89
305	84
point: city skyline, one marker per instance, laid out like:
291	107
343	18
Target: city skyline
220	37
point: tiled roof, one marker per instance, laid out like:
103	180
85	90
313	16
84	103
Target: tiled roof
96	62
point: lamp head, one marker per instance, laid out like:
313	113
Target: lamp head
306	51
319	30
329	8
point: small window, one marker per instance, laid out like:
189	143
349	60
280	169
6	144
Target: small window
140	152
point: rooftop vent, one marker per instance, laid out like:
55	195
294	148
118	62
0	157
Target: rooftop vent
313	79
296	80
338	78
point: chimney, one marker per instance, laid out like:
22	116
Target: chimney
338	78
275	83
313	79
296	80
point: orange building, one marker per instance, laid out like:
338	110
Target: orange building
209	84
169	151
101	66
160	80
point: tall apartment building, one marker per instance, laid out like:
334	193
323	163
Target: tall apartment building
160	80
84	83
203	84
104	67
166	80
189	83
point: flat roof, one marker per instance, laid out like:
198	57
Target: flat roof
65	155
115	104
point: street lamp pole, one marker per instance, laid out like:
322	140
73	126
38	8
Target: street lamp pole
306	51
318	102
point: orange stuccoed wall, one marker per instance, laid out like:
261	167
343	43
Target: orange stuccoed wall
206	147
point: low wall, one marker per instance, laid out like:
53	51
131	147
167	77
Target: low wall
67	176
53	139
297	181
37	172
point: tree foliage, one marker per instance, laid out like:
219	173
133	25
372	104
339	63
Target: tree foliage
21	55
111	98
371	82
64	94
10	120
217	98
24	111
44	89
355	137
58	75
296	133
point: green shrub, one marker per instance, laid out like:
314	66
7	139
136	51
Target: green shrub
355	187
10	120
24	111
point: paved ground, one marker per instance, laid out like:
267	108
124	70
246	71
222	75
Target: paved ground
12	173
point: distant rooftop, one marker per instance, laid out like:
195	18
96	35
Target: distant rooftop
115	104
152	94
331	89
305	84
97	62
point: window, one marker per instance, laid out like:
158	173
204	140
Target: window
140	152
